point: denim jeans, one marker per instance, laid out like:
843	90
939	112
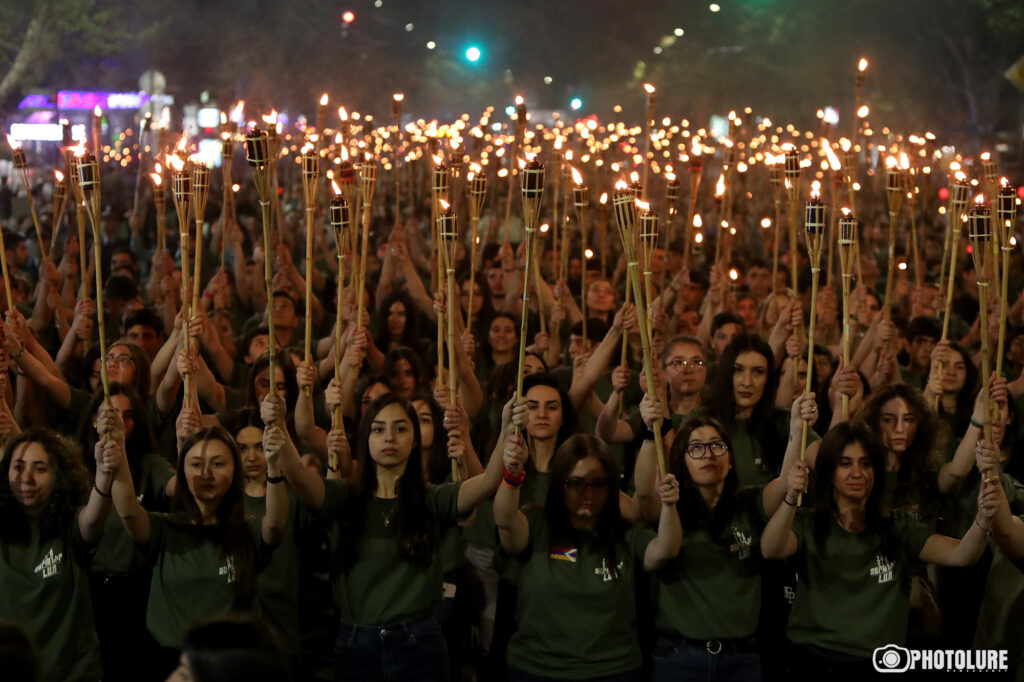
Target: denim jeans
414	651
696	664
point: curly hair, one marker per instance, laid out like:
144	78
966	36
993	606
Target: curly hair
70	487
920	462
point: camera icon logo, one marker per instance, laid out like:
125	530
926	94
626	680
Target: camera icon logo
891	659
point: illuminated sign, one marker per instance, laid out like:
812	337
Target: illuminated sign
45	132
87	100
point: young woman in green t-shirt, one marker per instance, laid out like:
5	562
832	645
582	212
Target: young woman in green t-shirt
855	562
385	532
576	607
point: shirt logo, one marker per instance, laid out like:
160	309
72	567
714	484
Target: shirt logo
741	544
605	573
569	554
883	569
50	565
228	569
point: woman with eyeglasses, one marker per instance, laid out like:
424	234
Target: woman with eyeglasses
576	605
855	561
708	598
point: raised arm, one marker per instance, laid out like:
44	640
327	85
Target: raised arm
952	473
480	487
308	486
276	441
665	547
947	551
513	526
312	438
778	540
803	410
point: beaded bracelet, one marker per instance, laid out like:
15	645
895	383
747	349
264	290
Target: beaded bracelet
510	480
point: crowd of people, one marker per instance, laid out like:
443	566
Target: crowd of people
241	531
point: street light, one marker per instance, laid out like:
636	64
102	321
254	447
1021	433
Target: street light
473	53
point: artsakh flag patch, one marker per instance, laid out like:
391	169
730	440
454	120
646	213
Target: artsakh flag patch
564	554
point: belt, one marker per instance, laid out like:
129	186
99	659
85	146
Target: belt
405	627
714	647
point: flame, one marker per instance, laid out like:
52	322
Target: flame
643	205
890	162
453	143
176	164
986	156
60	176
474	167
271	118
568	155
788	147
833	158
621	185
734	274
649	88
766	222
519	100
862	65
634	177
904	161
437	158
720	186
182	143
604	198
343	114
697	222
334	186
863	111
816	187
307	148
695	146
398	96
1003	182
698	238
844	144
979	200
444	204
14	143
97	112
960	176
159	169
670	176
344	154
157	179
846	211
324	99
545	227
558	141
235	187
79	149
236	113
576	177
815	193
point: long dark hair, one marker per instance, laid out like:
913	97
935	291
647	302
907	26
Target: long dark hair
141	442
693	510
435	455
417	531
70	487
141	362
919	463
830	452
396	355
231	529
485	342
568	427
282	359
762	419
235	648
965	396
610	528
410	334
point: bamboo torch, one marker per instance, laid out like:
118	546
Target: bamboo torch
533	195
894	193
602	231
227	153
88	174
957	205
310	180
340	225
652	100
981	251
815	231
448	231
1007	210
181	179
477	194
257	154
143	129
396	113
367	184
440	177
21	165
792	160
160	201
60	204
838	177
72	155
648	241
696	167
200	192
847	252
776	175
671	206
581	202
626	221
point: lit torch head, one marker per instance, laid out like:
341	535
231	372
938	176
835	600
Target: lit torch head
256	148
447	223
340	216
20	162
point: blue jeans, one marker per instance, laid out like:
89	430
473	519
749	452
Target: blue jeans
695	663
414	650
519	676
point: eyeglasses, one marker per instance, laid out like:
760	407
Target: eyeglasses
580	485
679	363
699	450
120	360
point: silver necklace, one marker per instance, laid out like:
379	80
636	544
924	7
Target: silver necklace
386	515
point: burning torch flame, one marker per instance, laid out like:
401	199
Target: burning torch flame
649	88
862	65
670	176
833	158
634	177
904	161
175	163
182	143
97	112
342	114
60	176
14	143
960	176
398	96
604	198
643	205
236	113
863	111
890	162
307	148
766	223
344	154
846	211
79	149
720	186
620	186
697	222
334	186
979	200
733	274
576	177
519	100
323	100
271	118
158	179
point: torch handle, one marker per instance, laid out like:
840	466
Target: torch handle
453	374
1003	306
645	340
361	305
986	380
530	230
7	279
94	216
310	210
268	276
474	228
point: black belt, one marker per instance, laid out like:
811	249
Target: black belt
743	645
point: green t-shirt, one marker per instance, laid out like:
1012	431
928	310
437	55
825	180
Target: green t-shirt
193	576
484	532
575	621
851	597
116	553
380	587
712	589
279	582
44	589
